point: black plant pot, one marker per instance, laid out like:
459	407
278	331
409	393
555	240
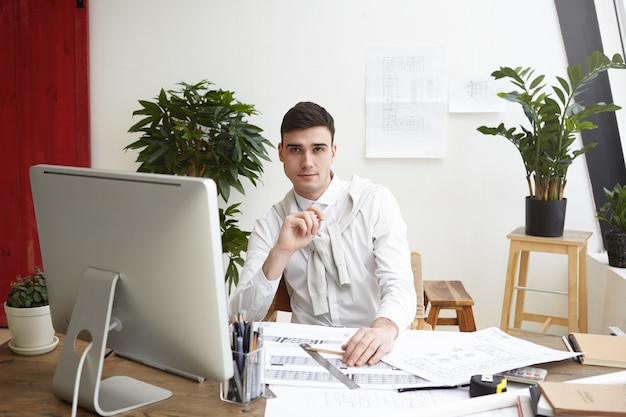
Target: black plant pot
616	248
545	218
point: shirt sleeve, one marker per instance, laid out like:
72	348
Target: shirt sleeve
398	299
254	292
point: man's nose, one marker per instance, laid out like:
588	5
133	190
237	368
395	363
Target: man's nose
307	159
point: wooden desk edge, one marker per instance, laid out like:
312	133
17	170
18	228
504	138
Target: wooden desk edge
26	386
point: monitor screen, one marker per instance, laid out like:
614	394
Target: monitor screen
140	256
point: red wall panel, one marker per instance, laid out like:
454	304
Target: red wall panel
44	114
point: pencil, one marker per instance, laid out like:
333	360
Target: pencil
322	350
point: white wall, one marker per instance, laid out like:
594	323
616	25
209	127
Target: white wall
609	291
274	53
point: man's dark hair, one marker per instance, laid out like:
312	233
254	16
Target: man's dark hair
307	114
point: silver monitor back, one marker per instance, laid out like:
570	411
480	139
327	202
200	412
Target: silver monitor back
161	235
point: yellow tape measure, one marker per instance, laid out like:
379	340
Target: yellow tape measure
487	384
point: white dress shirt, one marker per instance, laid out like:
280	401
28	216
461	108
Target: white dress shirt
378	263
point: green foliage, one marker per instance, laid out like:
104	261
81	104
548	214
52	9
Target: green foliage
613	211
200	131
545	146
234	242
29	291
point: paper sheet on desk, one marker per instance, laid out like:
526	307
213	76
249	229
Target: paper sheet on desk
315	402
292	333
453	357
437	358
291	365
288	364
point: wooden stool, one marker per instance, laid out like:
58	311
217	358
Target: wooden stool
449	295
574	245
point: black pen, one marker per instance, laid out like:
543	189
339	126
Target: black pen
570	348
436	387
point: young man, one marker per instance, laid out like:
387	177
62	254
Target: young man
341	246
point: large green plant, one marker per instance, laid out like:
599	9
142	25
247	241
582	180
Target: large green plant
546	144
200	131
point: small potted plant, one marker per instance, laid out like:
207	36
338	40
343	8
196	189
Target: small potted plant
547	143
28	315
613	211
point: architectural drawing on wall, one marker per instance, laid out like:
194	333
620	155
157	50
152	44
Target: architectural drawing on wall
475	94
405	103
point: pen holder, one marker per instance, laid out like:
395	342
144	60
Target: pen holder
247	384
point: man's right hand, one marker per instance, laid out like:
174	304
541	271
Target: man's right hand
298	230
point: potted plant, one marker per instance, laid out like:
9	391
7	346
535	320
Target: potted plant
546	145
203	132
613	211
28	315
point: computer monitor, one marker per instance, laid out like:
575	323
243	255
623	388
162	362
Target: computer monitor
133	263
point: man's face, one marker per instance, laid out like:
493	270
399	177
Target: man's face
307	156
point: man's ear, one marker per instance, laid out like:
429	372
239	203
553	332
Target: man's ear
280	151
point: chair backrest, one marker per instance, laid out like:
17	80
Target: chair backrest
419	323
282	302
416	266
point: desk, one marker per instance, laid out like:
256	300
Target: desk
26	389
574	245
25	385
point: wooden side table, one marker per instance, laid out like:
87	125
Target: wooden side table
574	245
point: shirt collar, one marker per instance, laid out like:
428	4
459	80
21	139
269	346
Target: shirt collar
327	198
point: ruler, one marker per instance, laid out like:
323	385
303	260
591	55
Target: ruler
343	378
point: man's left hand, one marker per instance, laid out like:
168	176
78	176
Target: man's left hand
370	344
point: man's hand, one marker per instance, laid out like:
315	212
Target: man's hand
297	231
370	344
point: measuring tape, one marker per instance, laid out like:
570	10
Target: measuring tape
487	384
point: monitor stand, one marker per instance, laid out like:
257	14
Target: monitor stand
92	313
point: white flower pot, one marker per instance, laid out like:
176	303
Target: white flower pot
31	329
